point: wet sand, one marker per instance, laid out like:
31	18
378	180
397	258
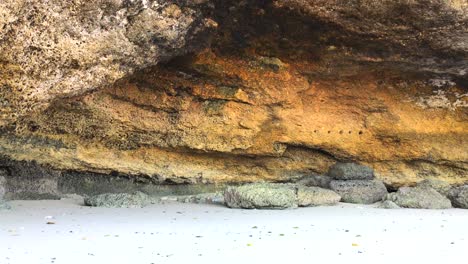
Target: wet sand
66	232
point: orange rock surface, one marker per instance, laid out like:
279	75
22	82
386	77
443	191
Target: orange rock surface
284	90
228	119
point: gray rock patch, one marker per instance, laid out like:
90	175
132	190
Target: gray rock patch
261	195
459	196
350	171
387	204
125	200
2	186
438	185
359	191
315	196
202	198
316	180
419	197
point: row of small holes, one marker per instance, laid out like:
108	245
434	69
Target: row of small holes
341	132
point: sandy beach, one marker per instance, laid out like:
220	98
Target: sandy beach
66	232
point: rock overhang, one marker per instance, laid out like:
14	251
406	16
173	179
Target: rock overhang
287	88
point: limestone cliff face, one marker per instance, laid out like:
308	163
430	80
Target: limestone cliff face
56	49
285	89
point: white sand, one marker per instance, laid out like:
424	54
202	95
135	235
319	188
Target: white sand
190	233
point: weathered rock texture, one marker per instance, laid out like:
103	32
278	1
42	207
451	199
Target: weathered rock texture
202	198
2	185
440	186
315	196
316	181
261	196
277	196
459	196
123	200
359	191
29	180
55	49
387	204
419	197
350	171
286	89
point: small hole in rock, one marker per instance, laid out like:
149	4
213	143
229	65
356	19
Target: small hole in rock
33	127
